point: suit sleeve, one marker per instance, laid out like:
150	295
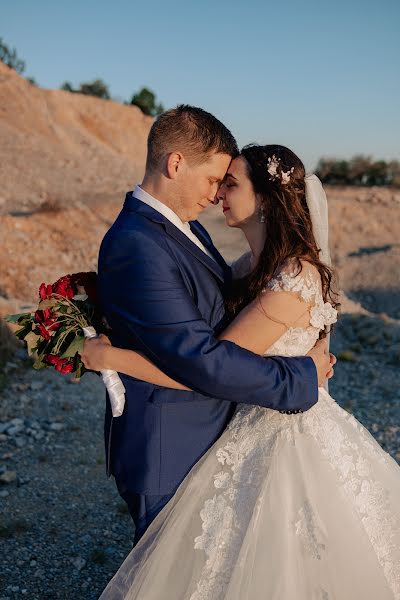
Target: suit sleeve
153	312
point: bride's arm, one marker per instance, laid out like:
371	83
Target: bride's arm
99	354
255	328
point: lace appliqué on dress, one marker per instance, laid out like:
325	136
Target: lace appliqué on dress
299	340
308	531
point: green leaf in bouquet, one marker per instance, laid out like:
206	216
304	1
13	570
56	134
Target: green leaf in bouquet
42	346
62	308
48	303
39	363
24	331
75	346
16	318
78	371
32	340
80	368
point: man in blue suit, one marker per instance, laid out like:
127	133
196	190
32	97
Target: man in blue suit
161	285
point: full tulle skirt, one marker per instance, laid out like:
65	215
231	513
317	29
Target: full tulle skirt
282	507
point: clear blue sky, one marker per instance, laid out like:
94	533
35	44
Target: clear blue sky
322	77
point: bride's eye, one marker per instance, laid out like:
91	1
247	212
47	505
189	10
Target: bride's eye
229	185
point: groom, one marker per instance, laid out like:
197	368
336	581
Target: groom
161	284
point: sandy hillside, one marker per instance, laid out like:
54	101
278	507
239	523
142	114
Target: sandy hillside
66	161
364	241
57	147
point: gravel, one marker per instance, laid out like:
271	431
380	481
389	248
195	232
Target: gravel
64	530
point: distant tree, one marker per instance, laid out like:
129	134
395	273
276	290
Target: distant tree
32	80
340	172
358	169
324	169
146	101
95	88
393	172
10	58
333	171
67	87
378	173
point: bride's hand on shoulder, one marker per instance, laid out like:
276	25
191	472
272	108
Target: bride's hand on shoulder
95	353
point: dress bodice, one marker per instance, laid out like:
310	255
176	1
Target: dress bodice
306	284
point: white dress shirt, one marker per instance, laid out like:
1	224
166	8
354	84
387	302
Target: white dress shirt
169	214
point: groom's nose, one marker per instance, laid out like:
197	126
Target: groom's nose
218	196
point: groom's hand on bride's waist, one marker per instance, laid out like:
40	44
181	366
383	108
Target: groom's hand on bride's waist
323	360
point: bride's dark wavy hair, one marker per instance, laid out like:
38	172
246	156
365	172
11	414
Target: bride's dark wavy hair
288	226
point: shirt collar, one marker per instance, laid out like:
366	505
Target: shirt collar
168	213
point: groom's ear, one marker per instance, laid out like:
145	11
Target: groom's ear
175	163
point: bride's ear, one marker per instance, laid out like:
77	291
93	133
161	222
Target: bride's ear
174	165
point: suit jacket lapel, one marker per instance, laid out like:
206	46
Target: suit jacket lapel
179	236
205	239
133	204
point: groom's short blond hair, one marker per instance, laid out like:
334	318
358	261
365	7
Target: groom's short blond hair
190	130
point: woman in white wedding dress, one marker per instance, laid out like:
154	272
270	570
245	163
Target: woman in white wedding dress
282	507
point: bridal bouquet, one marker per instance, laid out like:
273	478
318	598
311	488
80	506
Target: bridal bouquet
55	332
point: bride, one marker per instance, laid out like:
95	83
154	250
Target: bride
282	507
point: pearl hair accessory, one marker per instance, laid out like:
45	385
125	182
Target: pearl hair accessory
272	168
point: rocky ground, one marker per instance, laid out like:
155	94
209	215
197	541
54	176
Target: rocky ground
63	529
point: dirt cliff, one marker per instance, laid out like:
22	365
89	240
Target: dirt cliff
58	147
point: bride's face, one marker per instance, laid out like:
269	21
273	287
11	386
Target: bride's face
239	202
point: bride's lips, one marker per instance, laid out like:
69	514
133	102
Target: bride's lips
225	208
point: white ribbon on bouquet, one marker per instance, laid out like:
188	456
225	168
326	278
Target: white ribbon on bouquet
111	380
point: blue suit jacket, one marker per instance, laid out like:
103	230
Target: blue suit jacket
163	296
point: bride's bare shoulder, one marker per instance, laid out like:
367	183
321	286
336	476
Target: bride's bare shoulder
241	266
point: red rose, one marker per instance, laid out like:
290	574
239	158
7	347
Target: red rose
41	330
45	291
46	321
66	368
64	287
45	316
60	364
52	359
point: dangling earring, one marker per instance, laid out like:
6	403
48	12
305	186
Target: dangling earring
262	214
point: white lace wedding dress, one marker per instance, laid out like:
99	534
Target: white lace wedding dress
282	507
